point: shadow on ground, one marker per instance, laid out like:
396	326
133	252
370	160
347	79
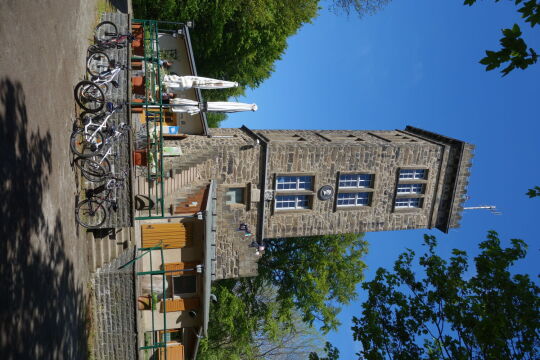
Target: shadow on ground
41	308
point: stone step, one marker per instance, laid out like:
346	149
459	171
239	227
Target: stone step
98	253
112	244
91	251
105	248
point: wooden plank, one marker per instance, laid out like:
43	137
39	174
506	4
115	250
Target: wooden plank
181	266
174	352
181	304
171	235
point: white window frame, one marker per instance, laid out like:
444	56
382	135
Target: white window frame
297	199
356	178
412	174
297	180
410	188
407	203
357	197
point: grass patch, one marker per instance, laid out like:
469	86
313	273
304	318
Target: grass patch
103	6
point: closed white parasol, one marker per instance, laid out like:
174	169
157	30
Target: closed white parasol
174	82
193	107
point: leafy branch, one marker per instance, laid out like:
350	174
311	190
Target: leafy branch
514	50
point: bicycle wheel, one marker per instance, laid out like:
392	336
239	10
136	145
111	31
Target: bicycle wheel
105	30
89	96
97	62
90	213
94	168
86	144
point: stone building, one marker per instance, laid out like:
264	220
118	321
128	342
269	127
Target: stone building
289	183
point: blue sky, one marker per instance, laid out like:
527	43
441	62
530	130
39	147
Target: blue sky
416	63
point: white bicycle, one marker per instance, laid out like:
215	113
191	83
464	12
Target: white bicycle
96	132
90	94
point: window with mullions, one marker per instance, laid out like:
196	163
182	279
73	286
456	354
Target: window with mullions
294	183
355	181
292	202
410	188
405	174
408	203
353	199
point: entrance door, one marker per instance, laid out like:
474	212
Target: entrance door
170	236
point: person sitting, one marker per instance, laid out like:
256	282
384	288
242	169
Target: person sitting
166	97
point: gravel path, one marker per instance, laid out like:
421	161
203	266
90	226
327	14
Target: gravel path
43	270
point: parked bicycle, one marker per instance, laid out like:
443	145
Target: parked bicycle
97	167
94	210
90	94
95	132
106	37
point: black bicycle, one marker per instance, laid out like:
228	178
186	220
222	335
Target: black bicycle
94	210
106	37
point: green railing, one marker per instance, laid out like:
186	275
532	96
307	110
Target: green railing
153	106
153	306
156	345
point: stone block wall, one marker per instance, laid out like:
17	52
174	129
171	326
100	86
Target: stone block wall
381	153
233	159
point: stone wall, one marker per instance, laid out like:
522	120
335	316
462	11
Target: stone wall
233	159
372	152
115	334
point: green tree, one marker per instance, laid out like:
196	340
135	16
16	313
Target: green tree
446	314
315	274
360	7
231	327
331	352
534	192
248	325
514	50
236	40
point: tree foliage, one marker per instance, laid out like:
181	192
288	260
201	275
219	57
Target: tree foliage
237	40
514	51
315	275
247	325
330	351
271	315
445	315
360	7
534	192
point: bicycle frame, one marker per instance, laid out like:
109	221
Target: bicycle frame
90	136
119	40
107	76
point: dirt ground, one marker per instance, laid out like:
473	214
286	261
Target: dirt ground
43	270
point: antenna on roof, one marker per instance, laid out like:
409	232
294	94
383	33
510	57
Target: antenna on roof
491	208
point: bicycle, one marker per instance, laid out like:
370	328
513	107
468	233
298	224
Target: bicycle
106	37
90	94
97	167
96	131
92	212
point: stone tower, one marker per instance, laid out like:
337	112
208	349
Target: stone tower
287	183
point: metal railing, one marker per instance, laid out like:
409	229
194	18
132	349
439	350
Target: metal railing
153	106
